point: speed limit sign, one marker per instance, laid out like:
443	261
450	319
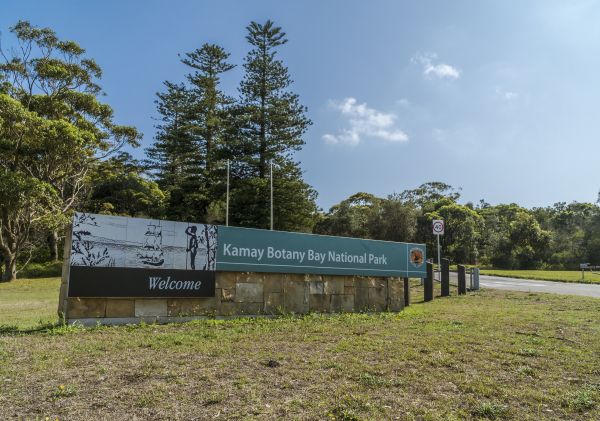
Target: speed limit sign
438	227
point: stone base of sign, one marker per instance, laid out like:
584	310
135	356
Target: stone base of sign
248	294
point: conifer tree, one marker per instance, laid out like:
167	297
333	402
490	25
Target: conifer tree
209	103
174	159
272	125
187	149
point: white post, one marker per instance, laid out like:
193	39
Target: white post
271	195
439	259
227	200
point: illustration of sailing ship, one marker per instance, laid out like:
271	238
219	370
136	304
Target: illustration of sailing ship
151	252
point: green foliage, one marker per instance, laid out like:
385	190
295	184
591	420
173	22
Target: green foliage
201	128
41	270
463	229
502	236
269	128
489	410
53	130
364	215
513	237
580	401
351	217
63	391
395	221
186	157
120	188
274	118
293	202
431	192
27	204
175	159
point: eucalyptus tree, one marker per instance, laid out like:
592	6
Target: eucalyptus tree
119	186
53	129
352	217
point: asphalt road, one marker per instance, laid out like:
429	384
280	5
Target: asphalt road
533	285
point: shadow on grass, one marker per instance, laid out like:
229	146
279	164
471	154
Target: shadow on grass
53	328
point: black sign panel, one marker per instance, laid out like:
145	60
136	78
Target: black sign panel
85	281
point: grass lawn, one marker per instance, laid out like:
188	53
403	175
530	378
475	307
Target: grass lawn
546	275
26	303
487	355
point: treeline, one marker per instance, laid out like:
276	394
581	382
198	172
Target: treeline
60	150
502	236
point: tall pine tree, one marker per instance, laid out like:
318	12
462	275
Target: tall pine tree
209	102
174	159
272	125
209	112
187	153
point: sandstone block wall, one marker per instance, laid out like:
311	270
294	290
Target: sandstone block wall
240	293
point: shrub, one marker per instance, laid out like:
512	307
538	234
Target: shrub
41	270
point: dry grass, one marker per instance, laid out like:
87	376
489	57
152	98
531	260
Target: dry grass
489	355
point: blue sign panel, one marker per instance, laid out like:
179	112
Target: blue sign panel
255	250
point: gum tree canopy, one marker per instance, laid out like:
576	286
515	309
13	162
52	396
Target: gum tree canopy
53	130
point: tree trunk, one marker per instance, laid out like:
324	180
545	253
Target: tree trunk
10	268
53	246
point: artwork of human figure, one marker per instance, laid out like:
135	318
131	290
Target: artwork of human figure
192	245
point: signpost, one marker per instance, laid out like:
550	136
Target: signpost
588	266
438	227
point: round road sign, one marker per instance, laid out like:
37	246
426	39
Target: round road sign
438	227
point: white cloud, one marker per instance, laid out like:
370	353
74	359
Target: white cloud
506	95
364	121
433	68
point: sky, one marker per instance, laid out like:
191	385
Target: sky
498	98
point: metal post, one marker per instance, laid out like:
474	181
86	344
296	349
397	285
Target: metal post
227	200
476	279
406	292
462	281
271	195
445	279
428	283
439	259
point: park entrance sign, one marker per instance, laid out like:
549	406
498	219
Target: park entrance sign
126	260
254	250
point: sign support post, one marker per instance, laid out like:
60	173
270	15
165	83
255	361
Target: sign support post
439	259
227	204
271	195
438	227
